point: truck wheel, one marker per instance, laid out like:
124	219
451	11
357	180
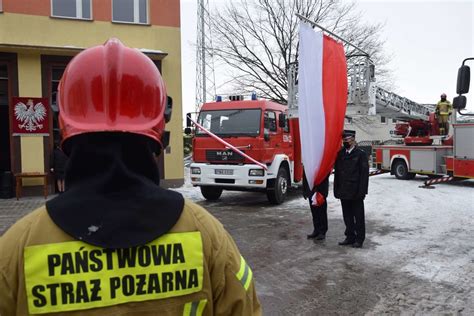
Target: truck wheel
277	191
211	193
400	170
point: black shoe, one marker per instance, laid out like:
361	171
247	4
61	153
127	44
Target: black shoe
357	245
320	237
312	235
346	242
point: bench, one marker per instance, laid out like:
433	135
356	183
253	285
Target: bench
23	175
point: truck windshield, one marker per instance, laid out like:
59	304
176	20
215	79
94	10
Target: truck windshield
231	122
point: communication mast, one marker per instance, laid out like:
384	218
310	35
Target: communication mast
205	77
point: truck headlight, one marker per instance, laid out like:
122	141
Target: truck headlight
195	170
256	172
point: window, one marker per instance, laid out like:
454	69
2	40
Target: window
130	11
383	119
286	129
270	121
394	120
56	74
231	122
75	9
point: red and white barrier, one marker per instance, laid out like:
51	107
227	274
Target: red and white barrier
439	180
376	172
223	142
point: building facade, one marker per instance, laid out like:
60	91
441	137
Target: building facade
37	40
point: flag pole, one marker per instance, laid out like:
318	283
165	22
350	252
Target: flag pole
331	33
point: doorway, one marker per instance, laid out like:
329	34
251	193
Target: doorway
5	153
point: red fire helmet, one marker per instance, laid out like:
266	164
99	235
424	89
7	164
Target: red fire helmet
113	88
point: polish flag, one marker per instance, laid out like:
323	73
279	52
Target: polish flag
322	99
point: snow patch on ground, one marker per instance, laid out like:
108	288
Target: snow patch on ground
409	221
423	222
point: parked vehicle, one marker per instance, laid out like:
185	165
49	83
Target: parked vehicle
260	129
425	152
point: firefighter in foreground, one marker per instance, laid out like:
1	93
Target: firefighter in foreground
443	112
115	243
351	181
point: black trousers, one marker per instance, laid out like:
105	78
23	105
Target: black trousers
320	217
354	218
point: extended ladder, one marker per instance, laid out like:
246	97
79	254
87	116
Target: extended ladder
365	98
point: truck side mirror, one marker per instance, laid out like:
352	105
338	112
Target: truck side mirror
187	131
168	109
188	120
459	102
282	120
464	78
266	134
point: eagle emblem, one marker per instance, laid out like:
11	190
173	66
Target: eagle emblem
30	115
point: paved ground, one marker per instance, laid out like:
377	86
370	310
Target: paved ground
295	276
300	277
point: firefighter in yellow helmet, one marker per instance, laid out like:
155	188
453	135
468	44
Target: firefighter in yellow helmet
115	243
443	111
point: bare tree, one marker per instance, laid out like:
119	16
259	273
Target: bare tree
258	39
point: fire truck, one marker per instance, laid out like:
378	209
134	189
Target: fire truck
424	151
259	128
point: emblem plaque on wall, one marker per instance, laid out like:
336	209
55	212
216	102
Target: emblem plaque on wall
30	116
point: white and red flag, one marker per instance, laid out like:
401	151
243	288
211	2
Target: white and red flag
322	99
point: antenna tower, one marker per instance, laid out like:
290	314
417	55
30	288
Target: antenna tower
205	78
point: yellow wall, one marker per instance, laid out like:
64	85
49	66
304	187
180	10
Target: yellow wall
32	151
172	75
45	31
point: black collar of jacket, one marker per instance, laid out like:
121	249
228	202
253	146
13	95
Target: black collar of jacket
113	198
343	152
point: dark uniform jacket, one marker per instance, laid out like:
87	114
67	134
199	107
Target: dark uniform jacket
322	188
58	162
351	175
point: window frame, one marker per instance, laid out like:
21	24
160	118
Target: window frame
76	17
285	129
266	117
134	15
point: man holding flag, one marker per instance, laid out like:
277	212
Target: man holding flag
322	99
319	207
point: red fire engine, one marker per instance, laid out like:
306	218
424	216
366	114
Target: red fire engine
425	152
260	129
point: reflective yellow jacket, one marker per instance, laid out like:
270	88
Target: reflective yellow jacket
195	269
444	108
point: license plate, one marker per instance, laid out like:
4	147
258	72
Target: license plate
227	172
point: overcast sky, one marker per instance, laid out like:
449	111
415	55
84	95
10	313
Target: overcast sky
427	41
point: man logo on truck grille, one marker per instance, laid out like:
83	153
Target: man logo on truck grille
224	153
